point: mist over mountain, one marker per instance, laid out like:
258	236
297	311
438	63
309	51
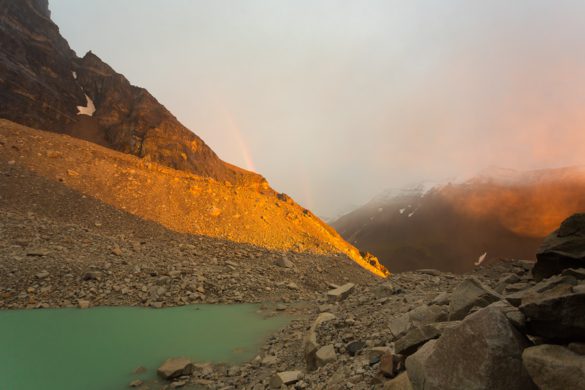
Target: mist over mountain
499	213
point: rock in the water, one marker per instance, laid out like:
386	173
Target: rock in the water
557	317
483	352
341	292
562	249
136	383
285	378
325	355
175	367
83	304
469	294
554	367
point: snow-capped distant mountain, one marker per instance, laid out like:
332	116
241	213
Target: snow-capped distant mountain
461	222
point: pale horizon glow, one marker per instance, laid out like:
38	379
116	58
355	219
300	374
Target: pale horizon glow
333	101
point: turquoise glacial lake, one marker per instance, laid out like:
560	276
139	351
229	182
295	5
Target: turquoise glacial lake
99	348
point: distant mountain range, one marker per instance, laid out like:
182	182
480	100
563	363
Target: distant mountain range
177	180
500	213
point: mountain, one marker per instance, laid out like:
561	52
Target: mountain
499	213
44	85
128	151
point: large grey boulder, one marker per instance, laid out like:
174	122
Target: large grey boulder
484	352
557	317
175	367
554	367
469	294
555	285
564	248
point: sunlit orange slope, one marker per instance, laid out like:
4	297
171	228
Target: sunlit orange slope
182	201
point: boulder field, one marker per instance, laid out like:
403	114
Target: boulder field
503	326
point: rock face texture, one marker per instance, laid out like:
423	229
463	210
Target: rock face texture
43	82
562	249
555	367
483	352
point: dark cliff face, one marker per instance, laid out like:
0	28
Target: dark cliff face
42	82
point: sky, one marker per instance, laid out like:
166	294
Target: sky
335	101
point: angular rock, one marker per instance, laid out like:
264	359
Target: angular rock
425	314
374	354
175	367
385	289
285	378
416	363
469	294
555	367
325	355
555	285
513	314
483	352
340	293
415	337
441	299
391	364
557	317
399	325
401	382
577	273
564	248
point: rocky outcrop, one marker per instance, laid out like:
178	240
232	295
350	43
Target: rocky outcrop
43	82
483	352
562	249
557	317
554	367
469	294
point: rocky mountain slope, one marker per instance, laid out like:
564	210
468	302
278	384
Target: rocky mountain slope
167	174
178	200
44	85
497	214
